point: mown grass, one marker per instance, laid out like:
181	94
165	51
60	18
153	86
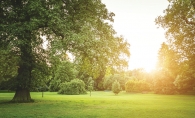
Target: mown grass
99	105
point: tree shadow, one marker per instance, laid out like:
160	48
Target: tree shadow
13	102
5	101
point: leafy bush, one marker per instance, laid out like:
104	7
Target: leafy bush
90	84
116	87
64	72
109	80
164	84
54	85
129	86
107	83
136	86
74	87
184	83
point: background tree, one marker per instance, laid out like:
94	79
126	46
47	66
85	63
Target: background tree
109	80
74	87
90	84
179	21
167	70
135	85
65	72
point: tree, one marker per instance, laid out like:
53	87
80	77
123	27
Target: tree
179	21
167	70
135	85
68	25
74	87
116	87
109	80
90	84
65	72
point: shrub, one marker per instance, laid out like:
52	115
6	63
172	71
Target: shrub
129	86
116	87
74	87
54	85
90	84
109	80
136	86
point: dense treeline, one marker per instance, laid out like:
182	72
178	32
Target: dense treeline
68	80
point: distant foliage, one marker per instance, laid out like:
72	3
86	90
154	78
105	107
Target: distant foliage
129	86
54	85
136	86
177	56
90	84
164	85
65	72
184	83
116	88
74	87
109	80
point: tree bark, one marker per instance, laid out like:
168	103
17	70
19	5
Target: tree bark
22	95
23	79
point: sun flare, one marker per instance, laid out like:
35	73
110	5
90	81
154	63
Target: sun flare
145	61
149	68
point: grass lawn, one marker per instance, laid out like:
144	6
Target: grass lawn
99	105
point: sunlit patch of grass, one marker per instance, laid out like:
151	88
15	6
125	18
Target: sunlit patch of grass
100	105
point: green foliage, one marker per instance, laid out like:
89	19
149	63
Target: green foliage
99	85
90	84
179	23
74	87
8	85
54	85
101	50
85	78
116	88
136	86
8	62
74	26
107	83
109	80
167	70
122	79
184	83
163	83
64	72
129	86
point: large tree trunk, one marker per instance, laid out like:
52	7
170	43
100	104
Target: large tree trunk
23	79
22	95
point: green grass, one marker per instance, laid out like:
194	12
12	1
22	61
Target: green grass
99	105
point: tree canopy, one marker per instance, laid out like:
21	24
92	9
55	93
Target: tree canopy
179	22
81	27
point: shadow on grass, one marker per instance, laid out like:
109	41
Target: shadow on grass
5	101
6	91
15	102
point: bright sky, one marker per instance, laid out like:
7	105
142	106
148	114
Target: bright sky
134	19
